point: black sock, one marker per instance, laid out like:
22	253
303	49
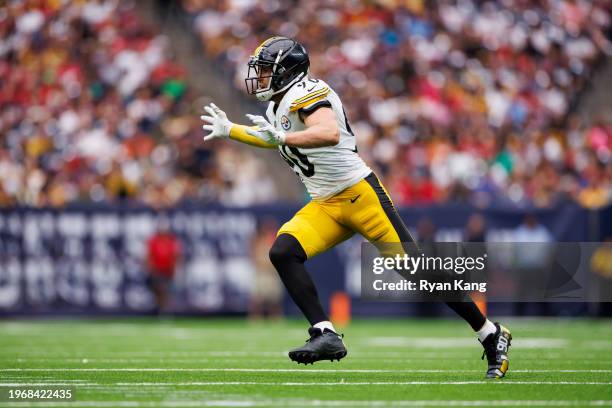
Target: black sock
288	258
469	312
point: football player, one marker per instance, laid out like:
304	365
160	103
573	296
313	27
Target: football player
306	122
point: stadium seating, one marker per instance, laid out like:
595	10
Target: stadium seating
93	109
451	100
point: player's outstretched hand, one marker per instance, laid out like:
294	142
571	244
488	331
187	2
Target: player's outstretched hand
217	123
266	131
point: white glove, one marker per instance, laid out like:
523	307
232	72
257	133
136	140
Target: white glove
219	126
266	131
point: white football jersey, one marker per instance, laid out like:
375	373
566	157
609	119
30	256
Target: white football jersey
324	171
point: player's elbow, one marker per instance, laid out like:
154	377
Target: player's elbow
332	135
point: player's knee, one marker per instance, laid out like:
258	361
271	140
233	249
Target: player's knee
277	255
286	249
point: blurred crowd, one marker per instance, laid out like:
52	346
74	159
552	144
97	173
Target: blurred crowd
453	100
92	108
456	100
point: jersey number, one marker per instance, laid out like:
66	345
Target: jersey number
296	158
303	84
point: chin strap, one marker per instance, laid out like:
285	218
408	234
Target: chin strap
296	79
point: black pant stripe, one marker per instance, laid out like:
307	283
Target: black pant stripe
464	306
389	209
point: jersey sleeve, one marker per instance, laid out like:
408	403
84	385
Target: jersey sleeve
311	97
323	103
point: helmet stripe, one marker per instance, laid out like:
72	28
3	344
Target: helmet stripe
263	44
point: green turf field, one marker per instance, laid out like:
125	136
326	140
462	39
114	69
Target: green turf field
211	362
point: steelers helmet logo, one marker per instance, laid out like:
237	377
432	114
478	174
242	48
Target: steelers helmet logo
285	123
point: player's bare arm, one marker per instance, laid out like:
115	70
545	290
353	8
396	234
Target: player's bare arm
321	131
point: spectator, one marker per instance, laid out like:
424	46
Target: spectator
601	267
267	293
163	256
532	231
475	229
426	231
532	263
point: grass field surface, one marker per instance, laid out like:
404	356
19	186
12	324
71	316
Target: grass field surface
236	363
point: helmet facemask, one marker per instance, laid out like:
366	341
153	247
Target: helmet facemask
260	70
279	77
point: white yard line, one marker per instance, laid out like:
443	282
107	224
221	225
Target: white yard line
351	383
287	370
460	342
46	384
318	403
301	384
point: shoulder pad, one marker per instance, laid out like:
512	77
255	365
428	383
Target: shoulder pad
307	94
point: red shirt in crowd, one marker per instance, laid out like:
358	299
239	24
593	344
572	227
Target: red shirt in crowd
164	250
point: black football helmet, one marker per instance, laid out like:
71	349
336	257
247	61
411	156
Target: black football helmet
281	59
